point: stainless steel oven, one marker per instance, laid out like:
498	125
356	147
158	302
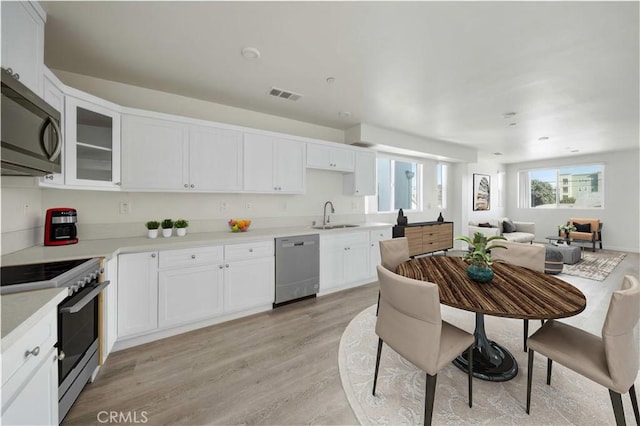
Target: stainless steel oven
77	317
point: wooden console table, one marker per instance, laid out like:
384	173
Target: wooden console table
426	237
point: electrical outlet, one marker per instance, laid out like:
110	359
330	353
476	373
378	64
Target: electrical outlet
223	206
125	207
248	206
284	206
26	209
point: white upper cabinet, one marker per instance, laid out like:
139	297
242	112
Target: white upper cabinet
363	180
273	164
92	144
160	154
330	158
215	159
23	42
154	154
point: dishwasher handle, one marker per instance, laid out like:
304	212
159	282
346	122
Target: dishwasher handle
290	244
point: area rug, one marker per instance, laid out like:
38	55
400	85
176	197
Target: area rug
594	266
399	400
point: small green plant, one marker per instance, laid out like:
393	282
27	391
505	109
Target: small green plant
167	224
181	223
152	224
566	228
478	253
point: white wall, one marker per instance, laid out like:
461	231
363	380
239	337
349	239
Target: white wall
22	214
620	214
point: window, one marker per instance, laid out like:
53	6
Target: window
441	178
580	187
398	184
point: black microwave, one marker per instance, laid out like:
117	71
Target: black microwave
31	137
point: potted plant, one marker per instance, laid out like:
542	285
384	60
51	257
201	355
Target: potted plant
569	227
181	227
167	227
479	256
152	228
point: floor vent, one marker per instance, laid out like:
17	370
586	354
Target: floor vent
285	94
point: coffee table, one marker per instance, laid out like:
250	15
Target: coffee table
514	292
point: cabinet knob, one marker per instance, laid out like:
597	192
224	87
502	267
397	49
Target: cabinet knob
153	255
250	250
193	186
16	76
186	185
193	256
61	356
35	351
50	177
226	266
221	266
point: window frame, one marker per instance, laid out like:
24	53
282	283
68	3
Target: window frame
372	201
524	187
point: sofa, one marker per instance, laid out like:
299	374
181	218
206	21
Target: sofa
518	232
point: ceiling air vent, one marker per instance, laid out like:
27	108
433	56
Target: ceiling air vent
285	94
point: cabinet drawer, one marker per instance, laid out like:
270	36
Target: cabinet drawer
15	362
414	238
191	257
246	251
379	235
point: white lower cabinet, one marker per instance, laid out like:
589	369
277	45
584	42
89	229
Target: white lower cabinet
248	284
375	237
30	376
172	290
137	293
344	260
189	294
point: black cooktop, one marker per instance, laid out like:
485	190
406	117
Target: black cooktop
20	274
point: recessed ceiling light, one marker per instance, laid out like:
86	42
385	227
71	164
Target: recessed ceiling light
250	53
575	150
543	138
344	114
331	80
512	124
497	153
508	114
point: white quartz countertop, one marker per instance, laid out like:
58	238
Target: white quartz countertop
109	248
21	311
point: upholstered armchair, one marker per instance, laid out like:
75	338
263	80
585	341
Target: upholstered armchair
610	360
411	324
530	256
587	230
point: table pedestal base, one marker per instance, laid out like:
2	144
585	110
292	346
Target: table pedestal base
491	361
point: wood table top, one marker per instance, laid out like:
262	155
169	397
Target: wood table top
514	292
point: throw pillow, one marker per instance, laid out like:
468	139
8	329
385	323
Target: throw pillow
580	227
508	226
484	225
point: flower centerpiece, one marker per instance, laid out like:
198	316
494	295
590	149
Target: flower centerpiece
152	228
181	227
569	227
479	256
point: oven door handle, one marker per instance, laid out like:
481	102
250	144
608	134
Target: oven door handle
85	300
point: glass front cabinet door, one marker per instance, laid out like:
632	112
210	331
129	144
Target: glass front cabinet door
92	148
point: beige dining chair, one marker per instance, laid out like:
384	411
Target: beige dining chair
410	323
392	253
530	256
610	360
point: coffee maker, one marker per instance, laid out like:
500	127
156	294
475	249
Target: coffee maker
60	227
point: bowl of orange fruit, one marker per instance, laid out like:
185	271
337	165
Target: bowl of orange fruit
240	225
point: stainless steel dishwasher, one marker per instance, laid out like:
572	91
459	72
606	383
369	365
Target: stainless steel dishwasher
297	268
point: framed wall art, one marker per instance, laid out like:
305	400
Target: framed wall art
481	192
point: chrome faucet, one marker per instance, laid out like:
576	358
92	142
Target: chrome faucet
325	217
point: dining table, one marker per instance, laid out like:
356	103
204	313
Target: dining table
514	292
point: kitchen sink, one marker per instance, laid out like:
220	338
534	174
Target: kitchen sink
335	226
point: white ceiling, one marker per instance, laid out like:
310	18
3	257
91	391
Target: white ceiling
442	70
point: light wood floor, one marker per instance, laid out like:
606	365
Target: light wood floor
276	368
